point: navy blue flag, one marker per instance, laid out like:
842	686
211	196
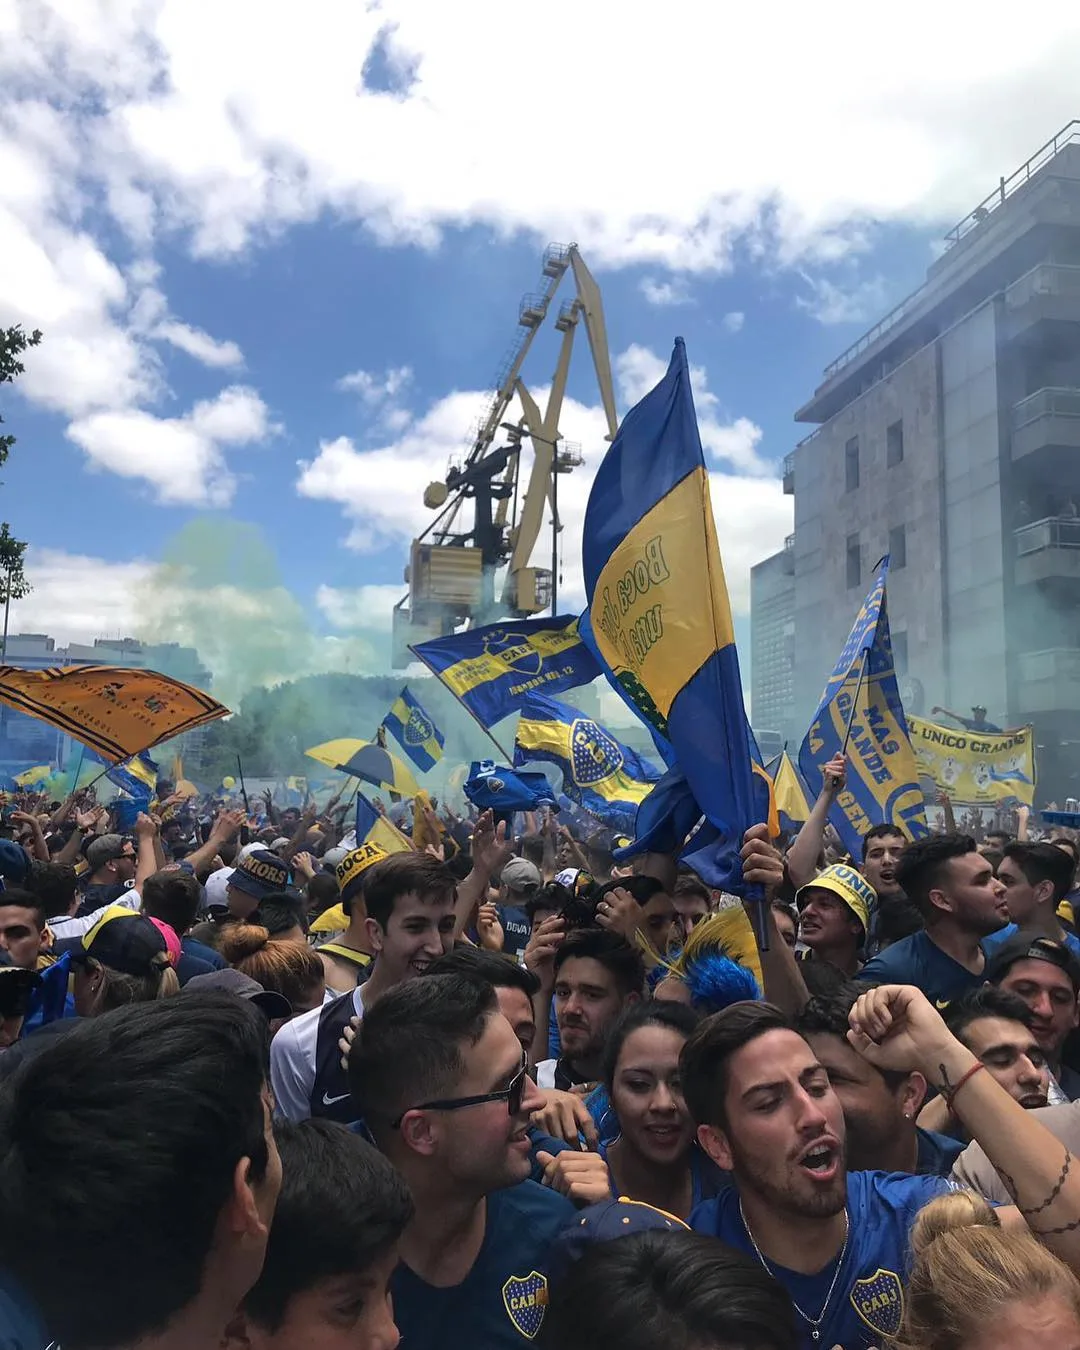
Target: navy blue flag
504	791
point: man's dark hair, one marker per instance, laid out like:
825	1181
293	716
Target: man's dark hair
408	1046
923	863
132	1124
280	911
1063	841
609	950
54	884
897	918
501	972
883	831
1003	836
703	1063
342	1207
322	892
1044	862
174	897
532	849
551	896
15	895
641	888
404	874
986	1001
664	1013
677	1289
689	884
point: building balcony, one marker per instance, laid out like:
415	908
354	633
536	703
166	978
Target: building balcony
1045	421
789	475
1048	550
1048	680
1049	292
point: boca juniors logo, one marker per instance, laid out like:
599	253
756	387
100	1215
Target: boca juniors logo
879	1301
594	754
418	729
514	651
525	1299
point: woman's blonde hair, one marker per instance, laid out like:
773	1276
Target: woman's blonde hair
966	1269
290	968
118	989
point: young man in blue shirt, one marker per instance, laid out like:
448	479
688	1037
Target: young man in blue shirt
440	1080
962	902
1036	877
838	1241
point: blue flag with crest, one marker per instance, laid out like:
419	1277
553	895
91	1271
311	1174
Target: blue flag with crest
882	777
414	731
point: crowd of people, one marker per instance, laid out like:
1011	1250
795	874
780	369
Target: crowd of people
268	1086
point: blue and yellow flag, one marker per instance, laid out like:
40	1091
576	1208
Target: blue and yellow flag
414	731
492	669
659	618
882	777
791	801
607	779
136	776
373	828
41	773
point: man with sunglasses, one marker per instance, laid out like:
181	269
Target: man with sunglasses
440	1080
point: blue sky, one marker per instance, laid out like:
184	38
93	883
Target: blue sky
214	235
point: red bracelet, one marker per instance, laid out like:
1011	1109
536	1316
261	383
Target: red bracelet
951	1097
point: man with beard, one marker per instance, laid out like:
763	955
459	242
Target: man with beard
837	1242
441	1082
962	903
597	975
1046	976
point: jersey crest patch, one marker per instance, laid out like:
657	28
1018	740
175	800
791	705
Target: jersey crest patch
525	1299
879	1301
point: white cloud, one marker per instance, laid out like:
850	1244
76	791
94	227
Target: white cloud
259	129
179	457
380	490
831	303
673	292
376	389
361	607
105	590
734	321
199	345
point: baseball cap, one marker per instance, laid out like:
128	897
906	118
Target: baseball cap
273	1004
353	866
333	856
567	876
851	886
521	875
217	883
1033	949
104	849
608	1220
124	940
14	864
260	873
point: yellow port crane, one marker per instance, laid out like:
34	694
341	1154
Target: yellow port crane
453	573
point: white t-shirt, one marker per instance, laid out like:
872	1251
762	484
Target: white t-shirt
292	1061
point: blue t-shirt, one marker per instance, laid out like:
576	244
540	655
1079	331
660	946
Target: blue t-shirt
996	940
706	1179
516	930
500	1304
202	951
21	1328
918	961
868	1301
937	1152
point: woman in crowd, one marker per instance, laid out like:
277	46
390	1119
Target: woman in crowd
125	958
289	968
974	1287
654	1157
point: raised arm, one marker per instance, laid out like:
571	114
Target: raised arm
803	855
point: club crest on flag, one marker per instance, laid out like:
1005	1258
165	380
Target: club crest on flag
418	729
525	1299
514	650
595	754
879	1301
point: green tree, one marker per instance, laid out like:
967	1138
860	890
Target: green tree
13	582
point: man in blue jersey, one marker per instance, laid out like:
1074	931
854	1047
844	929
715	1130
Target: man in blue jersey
1036	877
962	903
441	1082
837	1241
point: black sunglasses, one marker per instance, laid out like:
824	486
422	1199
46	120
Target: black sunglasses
512	1095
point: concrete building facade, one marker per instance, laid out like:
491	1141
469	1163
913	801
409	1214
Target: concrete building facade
772	646
949	437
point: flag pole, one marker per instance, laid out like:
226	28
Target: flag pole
486	730
854	703
243	789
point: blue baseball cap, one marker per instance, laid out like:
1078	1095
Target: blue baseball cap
605	1222
14	864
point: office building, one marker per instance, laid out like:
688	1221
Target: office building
949	437
772	648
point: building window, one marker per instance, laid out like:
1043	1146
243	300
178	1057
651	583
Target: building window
854	560
899	649
851	465
898	547
894	444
